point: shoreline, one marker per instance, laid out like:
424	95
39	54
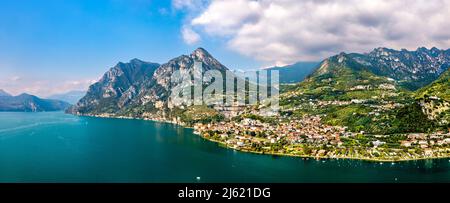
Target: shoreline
225	145
133	118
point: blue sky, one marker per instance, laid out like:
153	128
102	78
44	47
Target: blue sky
53	46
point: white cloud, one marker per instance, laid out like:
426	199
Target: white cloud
42	88
190	36
192	8
227	17
189	4
284	31
16	78
180	4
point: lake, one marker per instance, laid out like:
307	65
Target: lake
56	147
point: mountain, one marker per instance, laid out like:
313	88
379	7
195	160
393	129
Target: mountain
140	89
3	93
412	69
71	97
296	72
116	88
366	93
30	103
157	89
342	78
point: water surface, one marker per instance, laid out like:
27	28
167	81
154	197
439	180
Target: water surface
56	147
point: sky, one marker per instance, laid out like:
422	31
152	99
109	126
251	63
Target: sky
54	46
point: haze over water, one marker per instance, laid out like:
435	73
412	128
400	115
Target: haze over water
56	147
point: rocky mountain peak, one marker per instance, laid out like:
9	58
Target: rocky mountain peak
117	87
342	57
413	68
380	49
200	53
3	93
381	52
422	49
184	62
136	61
26	95
139	83
435	50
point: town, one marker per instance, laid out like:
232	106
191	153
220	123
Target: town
308	137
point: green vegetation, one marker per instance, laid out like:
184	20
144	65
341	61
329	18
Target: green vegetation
199	114
353	116
411	119
439	88
347	94
435	99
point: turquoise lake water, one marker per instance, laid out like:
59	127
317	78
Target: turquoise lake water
56	147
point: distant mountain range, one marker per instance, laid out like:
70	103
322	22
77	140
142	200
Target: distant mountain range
338	78
412	69
71	97
3	93
29	103
296	72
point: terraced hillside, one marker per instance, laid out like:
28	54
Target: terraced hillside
345	92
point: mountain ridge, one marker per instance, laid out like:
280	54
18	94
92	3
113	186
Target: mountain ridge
71	97
116	87
361	91
413	69
30	103
146	97
294	73
349	91
3	93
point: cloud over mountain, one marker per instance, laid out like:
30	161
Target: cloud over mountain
289	30
190	36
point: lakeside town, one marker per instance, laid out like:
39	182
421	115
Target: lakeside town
308	137
245	129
